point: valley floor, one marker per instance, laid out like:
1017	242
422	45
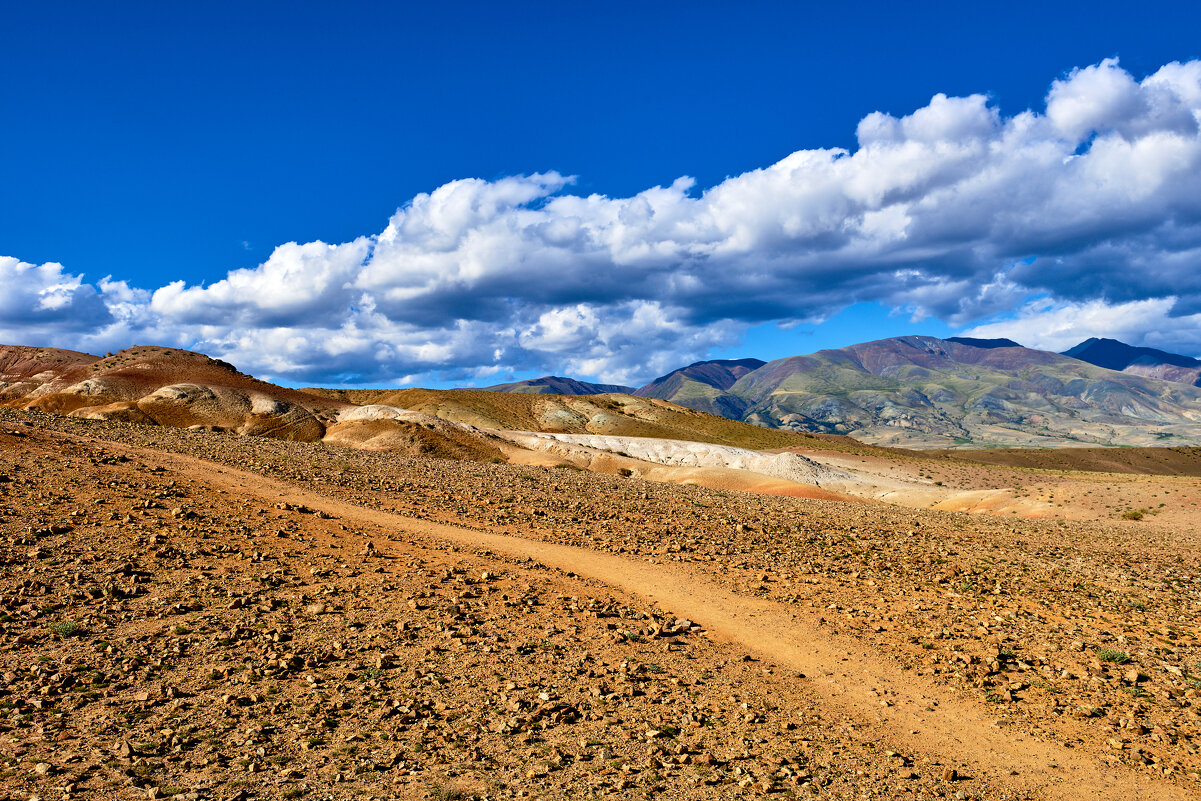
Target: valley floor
213	616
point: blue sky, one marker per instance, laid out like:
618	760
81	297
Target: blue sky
163	143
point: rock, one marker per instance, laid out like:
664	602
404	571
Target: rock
43	769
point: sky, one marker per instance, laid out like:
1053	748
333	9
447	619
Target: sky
460	194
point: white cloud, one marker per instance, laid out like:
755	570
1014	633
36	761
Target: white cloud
297	284
1056	326
954	210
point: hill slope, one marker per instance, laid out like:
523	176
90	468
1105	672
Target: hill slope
615	414
159	386
1148	362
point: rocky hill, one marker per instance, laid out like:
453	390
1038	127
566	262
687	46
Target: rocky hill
160	386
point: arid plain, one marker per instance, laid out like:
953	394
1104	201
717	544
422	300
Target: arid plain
447	610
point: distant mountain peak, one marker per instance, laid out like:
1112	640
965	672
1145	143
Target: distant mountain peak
1113	354
748	362
557	385
717	373
984	343
704	385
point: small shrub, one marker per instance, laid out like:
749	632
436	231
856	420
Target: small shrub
445	792
625	472
1110	655
1132	514
65	628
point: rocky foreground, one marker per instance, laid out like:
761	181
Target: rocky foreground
202	615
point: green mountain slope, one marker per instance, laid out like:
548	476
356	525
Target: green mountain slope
928	392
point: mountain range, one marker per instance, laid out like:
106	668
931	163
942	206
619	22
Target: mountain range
913	392
927	392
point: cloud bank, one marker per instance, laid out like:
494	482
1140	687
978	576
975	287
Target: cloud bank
955	211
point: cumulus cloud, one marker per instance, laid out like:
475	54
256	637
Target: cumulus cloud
955	210
45	304
38	297
297	284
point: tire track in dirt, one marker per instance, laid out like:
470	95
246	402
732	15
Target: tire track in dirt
888	703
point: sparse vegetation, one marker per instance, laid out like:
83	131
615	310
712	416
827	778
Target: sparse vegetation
1110	655
65	628
446	792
